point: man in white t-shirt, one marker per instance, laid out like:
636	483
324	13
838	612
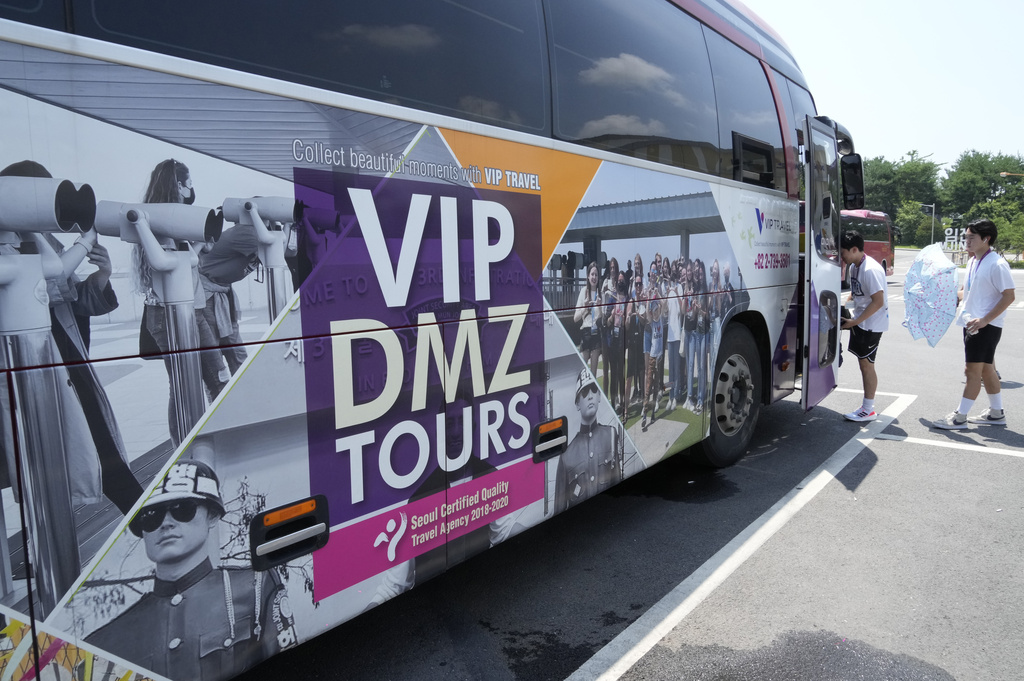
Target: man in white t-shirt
987	291
870	316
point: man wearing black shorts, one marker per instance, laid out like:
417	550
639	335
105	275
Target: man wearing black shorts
987	291
870	316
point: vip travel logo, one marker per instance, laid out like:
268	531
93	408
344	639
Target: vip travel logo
764	223
760	220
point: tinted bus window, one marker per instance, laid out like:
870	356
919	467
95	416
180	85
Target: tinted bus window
872	230
745	107
45	13
802	102
634	78
473	59
790	120
797	104
875	230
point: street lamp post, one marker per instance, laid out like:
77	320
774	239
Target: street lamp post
1004	174
932	206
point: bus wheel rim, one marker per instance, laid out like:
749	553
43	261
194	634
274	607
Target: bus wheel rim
733	394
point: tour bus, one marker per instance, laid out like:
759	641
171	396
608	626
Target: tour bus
877	230
302	306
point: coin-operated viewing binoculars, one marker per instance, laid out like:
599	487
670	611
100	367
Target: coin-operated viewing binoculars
163	230
267	215
269	208
30	209
176	221
34	204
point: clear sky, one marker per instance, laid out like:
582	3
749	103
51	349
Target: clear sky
938	77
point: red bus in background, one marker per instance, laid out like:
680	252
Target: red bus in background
876	228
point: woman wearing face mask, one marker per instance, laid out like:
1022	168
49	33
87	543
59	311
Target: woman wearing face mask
170	182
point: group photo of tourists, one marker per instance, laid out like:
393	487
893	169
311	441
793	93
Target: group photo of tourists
648	333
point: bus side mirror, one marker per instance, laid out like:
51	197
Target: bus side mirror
853	181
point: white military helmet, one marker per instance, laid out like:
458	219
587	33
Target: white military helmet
583	380
187	479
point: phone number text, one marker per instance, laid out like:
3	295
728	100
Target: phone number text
771	261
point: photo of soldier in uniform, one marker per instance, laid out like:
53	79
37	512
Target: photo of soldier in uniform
173	630
593	461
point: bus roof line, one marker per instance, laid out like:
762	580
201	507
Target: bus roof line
760	40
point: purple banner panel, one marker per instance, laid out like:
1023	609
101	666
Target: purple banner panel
359	551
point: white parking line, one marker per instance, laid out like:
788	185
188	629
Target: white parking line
860	391
951	445
612	661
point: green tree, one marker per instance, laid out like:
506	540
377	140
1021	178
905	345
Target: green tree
889	185
1006	213
1003	207
915	226
1013	240
917	179
974	179
880	186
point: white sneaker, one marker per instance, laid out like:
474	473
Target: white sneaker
861	415
989	417
953	421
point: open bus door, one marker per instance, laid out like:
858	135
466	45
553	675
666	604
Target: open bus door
822	264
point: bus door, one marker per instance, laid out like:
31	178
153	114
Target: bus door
822	264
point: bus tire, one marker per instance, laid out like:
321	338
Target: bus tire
735	398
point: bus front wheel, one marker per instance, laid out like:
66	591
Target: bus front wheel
736	398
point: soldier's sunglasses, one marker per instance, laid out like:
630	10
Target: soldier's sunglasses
150	519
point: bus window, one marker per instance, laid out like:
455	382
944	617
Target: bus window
797	106
822	201
877	230
428	60
753	161
634	79
746	107
45	13
803	105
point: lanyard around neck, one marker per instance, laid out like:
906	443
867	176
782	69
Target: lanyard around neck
972	272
